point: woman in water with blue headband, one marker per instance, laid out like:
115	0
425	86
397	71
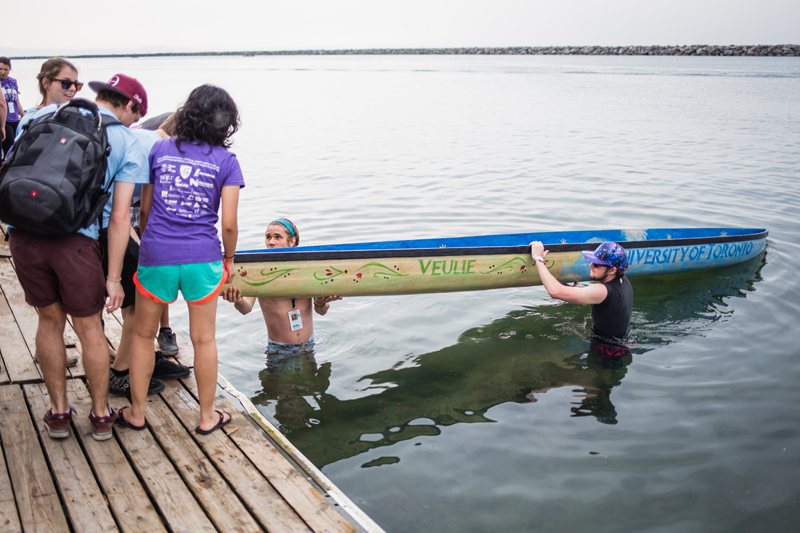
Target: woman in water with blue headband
290	321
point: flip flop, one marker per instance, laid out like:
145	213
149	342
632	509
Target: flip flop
222	422
122	422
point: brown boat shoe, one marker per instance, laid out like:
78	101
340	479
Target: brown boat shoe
58	423
102	425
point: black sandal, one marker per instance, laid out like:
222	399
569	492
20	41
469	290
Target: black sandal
121	421
222	422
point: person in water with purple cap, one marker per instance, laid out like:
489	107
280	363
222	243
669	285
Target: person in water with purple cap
611	298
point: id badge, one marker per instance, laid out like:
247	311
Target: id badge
11	108
295	320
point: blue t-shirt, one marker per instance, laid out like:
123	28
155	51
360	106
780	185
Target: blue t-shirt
127	162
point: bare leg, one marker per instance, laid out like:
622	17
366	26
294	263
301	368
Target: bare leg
95	360
202	329
51	354
123	359
165	317
142	358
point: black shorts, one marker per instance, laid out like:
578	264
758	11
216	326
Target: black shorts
129	265
11	132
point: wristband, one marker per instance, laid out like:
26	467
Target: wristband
229	256
117	280
538	258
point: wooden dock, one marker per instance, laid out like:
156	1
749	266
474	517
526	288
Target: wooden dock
166	478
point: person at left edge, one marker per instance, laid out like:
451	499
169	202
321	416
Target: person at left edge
13	106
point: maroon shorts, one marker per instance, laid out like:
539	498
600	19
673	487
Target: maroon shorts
66	270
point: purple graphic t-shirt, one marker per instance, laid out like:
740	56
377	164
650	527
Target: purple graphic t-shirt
10	92
186	196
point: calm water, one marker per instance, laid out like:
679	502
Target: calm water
478	412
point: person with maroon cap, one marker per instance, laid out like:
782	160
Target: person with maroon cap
126	98
64	276
611	298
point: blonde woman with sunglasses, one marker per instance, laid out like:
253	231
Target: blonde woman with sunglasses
58	84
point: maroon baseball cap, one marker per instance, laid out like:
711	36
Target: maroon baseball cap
126	86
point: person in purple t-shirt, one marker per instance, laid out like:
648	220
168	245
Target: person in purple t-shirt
13	108
190	175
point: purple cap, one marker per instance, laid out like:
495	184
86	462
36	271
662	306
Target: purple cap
126	86
609	254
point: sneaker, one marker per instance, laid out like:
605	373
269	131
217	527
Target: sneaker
166	369
122	385
58	423
101	425
167	342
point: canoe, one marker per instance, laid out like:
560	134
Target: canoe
480	263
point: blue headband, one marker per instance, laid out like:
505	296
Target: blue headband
286	224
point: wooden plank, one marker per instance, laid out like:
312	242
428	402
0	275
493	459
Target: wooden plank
86	507
16	355
9	519
304	498
127	498
3	372
37	500
221	503
4	250
113	328
167	490
25	315
259	496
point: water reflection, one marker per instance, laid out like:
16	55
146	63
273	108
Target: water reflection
517	358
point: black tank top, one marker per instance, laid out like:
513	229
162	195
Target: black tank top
611	318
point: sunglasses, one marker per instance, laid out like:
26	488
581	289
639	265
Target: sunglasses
66	84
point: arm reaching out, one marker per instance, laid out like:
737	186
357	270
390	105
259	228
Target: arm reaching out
243	304
322	304
591	295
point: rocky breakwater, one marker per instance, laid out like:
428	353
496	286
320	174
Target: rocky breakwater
778	50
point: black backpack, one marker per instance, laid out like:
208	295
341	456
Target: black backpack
53	180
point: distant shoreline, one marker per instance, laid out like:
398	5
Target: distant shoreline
778	50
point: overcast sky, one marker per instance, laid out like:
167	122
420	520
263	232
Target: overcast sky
47	27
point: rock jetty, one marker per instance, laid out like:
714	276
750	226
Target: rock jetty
776	50
684	50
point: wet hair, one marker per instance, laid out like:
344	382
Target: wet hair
281	222
50	69
209	116
116	99
6	61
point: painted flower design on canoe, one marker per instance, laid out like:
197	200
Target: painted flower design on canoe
264	276
328	273
379	270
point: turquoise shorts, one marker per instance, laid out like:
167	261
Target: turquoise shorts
198	282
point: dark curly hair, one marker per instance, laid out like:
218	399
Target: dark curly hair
209	116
